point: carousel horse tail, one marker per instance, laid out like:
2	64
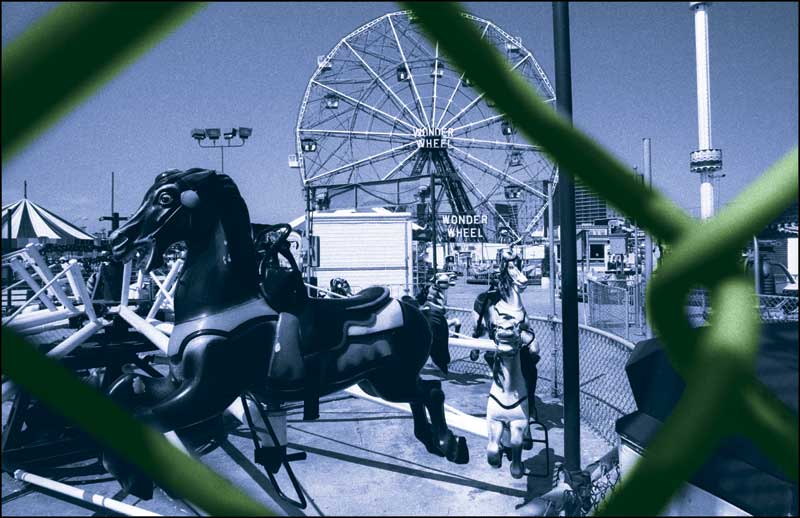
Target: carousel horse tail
440	351
437	316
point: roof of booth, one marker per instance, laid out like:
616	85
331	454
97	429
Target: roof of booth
31	220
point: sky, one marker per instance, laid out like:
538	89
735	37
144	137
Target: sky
248	64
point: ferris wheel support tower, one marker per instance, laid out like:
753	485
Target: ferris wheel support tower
706	160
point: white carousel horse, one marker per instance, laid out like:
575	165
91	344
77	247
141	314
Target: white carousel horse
508	407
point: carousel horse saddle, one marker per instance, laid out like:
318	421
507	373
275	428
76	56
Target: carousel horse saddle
324	321
314	346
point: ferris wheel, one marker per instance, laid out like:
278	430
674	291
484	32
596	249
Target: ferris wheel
386	121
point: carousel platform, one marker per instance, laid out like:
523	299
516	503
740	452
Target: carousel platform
362	460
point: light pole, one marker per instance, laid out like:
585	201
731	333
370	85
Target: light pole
114	218
214	134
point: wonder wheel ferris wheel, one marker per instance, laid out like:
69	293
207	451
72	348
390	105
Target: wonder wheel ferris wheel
385	121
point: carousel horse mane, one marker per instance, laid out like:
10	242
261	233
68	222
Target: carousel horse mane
219	192
504	282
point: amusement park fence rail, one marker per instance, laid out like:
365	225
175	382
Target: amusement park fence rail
772	308
605	393
614	307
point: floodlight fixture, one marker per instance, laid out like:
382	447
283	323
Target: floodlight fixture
198	134
244	133
213	133
230	134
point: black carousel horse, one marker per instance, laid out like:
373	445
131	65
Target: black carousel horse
229	340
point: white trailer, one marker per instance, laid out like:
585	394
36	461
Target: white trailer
365	247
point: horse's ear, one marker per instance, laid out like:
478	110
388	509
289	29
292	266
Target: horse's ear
197	176
190	199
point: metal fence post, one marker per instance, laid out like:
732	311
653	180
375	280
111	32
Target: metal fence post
554	354
627	316
589	299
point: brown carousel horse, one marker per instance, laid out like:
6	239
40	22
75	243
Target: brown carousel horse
228	340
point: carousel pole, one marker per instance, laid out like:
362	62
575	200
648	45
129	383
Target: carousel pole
11	275
569	301
433	217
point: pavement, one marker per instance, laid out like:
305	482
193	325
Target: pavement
362	459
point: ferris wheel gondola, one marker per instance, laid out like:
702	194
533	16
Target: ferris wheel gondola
385	117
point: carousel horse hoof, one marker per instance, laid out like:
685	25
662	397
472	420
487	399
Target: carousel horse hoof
458	451
517	470
527	444
432	448
495	459
130	478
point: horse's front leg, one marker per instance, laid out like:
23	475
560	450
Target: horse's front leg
494	450
454	447
517	429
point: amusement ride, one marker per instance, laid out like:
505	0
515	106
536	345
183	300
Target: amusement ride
386	121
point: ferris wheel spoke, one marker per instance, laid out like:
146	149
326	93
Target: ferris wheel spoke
357	134
401	164
320	166
494	144
486	202
383	84
497	173
460	80
480	123
370	159
532	223
356	103
417	97
475	101
435	83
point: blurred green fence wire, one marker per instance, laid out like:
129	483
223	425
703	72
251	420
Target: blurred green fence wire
731	399
722	396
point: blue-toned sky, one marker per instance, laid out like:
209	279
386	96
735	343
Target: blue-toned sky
247	64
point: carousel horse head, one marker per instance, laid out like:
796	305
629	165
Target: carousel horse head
179	206
441	281
511	276
507	335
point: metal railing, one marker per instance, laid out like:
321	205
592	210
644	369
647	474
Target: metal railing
605	393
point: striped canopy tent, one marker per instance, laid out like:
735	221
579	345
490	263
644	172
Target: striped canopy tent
32	223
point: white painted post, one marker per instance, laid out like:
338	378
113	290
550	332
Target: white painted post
40	266
126	284
158	338
19	268
161	296
80	494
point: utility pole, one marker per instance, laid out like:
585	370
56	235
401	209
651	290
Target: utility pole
115	217
648	241
569	274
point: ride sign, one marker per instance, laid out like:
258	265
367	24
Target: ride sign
465	227
433	138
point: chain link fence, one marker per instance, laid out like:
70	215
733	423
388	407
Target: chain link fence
616	306
609	308
605	393
773	308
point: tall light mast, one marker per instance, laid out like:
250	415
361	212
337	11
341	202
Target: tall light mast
705	160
